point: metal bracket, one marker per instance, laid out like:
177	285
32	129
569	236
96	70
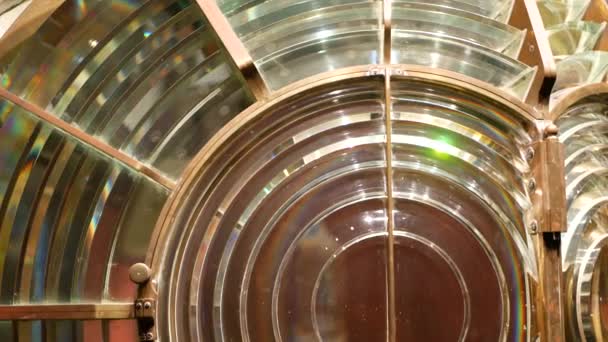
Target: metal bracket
145	304
145	311
549	191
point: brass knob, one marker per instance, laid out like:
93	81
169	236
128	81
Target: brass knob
140	273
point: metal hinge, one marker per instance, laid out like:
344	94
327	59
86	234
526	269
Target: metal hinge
548	183
145	311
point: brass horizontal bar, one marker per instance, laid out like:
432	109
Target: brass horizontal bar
88	139
235	48
114	311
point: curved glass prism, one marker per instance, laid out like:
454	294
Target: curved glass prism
554	12
458	25
481	63
580	69
499	10
573	37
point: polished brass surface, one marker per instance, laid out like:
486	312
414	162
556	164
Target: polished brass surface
67	311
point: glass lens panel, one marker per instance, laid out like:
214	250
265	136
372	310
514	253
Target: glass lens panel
459	185
289	239
290	242
584	132
292	39
148	78
64	208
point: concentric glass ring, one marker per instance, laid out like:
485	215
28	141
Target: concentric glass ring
280	230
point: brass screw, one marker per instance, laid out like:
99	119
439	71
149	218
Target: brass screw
533	227
531	185
529	154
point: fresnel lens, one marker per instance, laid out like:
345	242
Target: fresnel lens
304	170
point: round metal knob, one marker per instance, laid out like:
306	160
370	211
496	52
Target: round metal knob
139	273
551	130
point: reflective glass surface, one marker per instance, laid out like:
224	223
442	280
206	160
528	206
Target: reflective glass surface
65	212
299	221
460	214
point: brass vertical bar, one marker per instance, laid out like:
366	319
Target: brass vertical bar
550	293
235	48
387	49
387	42
87	139
392	329
549	199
